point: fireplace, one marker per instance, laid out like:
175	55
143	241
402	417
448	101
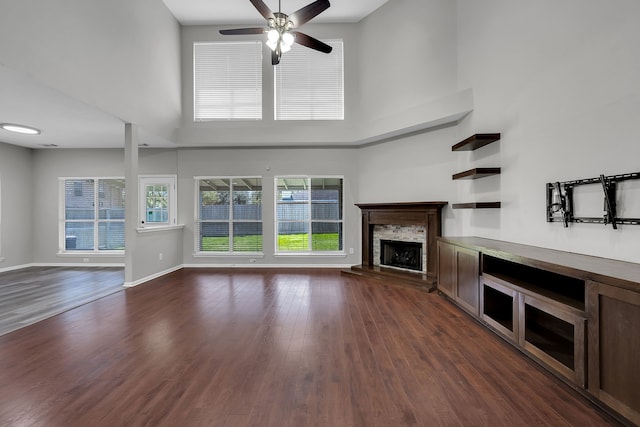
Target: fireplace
426	217
398	254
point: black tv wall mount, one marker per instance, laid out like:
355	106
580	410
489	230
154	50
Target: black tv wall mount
560	202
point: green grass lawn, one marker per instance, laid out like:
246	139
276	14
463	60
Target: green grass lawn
286	243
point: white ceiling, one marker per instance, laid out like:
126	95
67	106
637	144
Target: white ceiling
64	121
225	12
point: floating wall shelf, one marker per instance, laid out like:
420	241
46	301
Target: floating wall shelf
477	173
476	205
476	141
473	143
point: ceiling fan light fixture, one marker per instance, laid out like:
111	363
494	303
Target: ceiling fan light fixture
279	39
273	35
288	39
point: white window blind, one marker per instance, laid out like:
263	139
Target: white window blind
309	85
227	81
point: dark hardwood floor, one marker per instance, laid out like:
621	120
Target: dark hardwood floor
205	347
31	294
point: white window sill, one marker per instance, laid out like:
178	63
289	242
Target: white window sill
85	254
160	228
311	254
228	254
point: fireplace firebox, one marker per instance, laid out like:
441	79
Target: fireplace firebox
407	255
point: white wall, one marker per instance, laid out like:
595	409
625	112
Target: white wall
268	131
412	169
121	56
16	207
268	163
48	166
407	58
560	81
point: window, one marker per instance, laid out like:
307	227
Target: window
158	201
229	214
93	216
309	214
227	81
309	84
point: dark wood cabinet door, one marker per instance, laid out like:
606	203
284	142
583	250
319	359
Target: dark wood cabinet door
614	348
467	263
446	268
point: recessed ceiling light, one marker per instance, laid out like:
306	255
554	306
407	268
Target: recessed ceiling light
20	129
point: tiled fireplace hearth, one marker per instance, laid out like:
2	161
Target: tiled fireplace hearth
409	222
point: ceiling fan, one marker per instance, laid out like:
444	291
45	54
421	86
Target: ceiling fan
279	34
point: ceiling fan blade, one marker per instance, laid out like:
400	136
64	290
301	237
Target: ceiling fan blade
262	8
313	43
308	12
241	31
275	58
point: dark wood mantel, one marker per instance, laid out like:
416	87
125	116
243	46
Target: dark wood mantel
427	214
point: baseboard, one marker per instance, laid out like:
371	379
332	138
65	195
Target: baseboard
151	277
15	267
307	266
77	264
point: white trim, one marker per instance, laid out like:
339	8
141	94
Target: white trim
62	221
160	228
87	254
171	181
15	267
208	254
197	221
151	277
274	266
342	221
77	264
341	254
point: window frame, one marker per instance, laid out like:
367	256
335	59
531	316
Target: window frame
311	59
230	221
96	251
310	220
258	79
172	201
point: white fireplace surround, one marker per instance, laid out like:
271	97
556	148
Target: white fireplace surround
400	233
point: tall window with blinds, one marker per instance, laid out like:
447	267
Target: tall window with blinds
309	214
227	81
93	212
229	215
309	85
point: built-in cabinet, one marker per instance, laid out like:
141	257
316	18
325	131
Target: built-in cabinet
460	268
614	347
546	303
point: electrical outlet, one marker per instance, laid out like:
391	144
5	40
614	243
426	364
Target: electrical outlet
85	259
350	251
160	256
252	260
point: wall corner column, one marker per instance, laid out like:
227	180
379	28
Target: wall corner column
131	198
